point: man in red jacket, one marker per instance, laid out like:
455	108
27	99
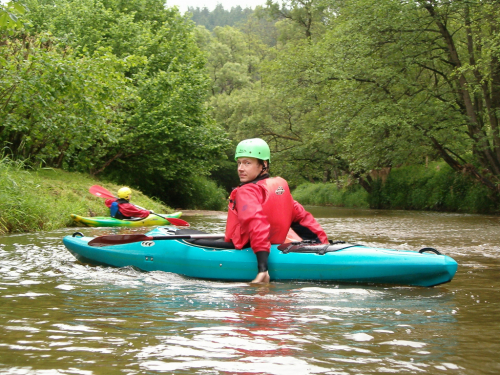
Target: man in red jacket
121	208
262	211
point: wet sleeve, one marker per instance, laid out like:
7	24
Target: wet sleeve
109	202
130	210
304	218
252	218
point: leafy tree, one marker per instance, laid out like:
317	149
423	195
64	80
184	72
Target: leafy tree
233	63
10	16
234	58
115	88
372	84
260	27
55	105
280	108
127	26
299	18
219	17
421	77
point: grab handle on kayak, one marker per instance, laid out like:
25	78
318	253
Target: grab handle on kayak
421	251
79	234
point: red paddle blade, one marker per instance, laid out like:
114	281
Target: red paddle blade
177	222
118	239
101	192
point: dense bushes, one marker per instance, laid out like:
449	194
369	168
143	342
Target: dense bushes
201	193
435	188
331	195
114	89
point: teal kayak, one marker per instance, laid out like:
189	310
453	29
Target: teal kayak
209	259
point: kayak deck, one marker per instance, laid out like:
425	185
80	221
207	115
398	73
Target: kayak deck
106	221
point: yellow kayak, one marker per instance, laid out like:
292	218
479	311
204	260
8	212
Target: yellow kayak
106	221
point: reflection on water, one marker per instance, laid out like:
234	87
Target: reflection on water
58	316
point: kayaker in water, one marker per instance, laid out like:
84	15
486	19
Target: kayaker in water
121	208
261	209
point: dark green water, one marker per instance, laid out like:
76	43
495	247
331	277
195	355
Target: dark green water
58	316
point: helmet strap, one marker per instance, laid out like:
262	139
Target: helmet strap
265	166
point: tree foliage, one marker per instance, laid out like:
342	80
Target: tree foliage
353	86
11	16
115	88
424	79
133	91
55	105
219	17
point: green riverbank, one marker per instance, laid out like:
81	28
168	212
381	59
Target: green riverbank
435	187
44	199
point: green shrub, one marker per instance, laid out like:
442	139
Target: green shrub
437	188
205	194
324	194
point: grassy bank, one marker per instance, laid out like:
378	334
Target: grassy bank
44	199
330	195
435	188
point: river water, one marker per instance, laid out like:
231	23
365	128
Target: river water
58	316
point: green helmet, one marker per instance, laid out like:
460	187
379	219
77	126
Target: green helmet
253	148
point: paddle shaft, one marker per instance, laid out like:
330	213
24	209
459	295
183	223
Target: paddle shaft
122	239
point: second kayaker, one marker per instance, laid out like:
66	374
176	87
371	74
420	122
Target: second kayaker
121	208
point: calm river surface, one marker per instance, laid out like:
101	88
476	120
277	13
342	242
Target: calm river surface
58	316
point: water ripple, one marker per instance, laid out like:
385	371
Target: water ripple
62	317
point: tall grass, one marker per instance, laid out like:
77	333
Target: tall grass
324	194
436	188
34	200
417	187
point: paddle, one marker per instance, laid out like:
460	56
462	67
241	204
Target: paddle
101	192
121	239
